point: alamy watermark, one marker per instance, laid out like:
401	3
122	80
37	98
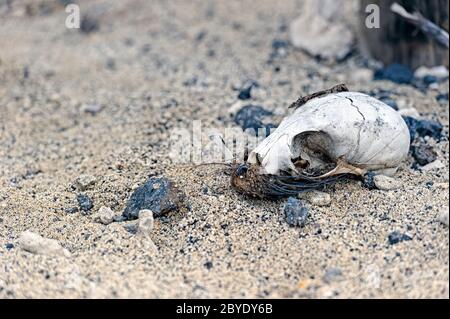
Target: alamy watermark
73	18
373	18
200	145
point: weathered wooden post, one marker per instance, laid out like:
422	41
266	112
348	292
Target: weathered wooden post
397	41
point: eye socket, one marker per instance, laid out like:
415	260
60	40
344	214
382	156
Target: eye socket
241	170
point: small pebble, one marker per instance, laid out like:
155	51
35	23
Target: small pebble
397	237
245	93
437	164
296	212
105	215
279	50
89	24
385	183
36	244
317	198
442	98
146	222
83	182
332	275
10	246
438	72
423	154
85	202
208	265
250	117
91	108
368	181
443	216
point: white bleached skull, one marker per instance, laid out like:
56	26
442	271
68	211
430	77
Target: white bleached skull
335	134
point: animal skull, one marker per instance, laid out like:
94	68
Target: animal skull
353	131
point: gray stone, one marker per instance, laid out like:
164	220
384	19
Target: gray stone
36	244
85	181
85	203
146	222
321	31
317	198
396	237
296	212
385	183
332	275
105	215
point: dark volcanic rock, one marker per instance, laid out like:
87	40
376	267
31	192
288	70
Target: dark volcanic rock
251	117
389	101
85	202
397	237
423	154
397	73
71	210
296	212
423	128
157	194
245	93
89	24
442	98
384	96
368	181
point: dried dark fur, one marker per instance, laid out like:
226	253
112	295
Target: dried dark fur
304	99
248	180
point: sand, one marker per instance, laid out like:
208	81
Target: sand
139	67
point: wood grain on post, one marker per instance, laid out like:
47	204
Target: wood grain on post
397	41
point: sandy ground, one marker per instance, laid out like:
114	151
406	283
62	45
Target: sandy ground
137	67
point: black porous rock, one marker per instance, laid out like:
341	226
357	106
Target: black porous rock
296	212
89	24
368	181
278	44
158	194
397	73
442	98
397	237
389	101
85	203
423	154
245	92
423	128
251	117
279	50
